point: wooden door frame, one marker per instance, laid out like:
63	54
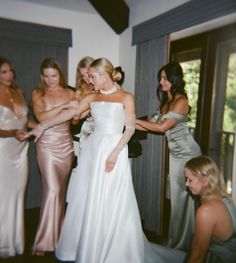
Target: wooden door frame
207	42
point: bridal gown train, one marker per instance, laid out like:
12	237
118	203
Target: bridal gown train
13	180
102	222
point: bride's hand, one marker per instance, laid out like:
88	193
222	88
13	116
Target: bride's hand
110	162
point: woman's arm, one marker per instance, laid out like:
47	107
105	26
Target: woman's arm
129	108
180	105
71	110
38	108
205	223
144	125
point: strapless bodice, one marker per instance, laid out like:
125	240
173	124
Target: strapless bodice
108	117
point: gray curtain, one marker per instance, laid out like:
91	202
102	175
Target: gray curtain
189	14
148	168
152	48
26	45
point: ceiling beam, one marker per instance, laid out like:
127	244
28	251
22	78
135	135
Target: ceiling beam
115	13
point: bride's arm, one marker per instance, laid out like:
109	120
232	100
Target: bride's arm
73	109
129	131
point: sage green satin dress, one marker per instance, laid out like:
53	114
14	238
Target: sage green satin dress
182	148
225	250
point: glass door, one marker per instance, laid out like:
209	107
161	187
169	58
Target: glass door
222	145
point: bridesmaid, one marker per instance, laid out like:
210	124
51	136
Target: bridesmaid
54	154
172	119
83	88
215	233
13	162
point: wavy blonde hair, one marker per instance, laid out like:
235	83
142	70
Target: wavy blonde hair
82	88
204	166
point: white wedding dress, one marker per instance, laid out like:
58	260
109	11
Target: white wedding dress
102	222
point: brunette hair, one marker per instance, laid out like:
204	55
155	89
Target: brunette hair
174	74
3	61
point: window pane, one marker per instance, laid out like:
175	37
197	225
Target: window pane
191	71
229	123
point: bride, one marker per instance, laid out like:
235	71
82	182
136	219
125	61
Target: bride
102	222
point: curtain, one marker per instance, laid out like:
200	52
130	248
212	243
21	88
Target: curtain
151	38
148	168
189	14
26	45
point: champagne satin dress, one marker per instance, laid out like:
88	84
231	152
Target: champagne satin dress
55	156
13	180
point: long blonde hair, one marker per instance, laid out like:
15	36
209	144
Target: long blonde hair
204	166
82	88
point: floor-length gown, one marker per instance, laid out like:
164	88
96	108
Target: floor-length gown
102	222
182	148
13	180
55	156
85	131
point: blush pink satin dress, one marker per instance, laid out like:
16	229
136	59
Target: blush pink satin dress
55	156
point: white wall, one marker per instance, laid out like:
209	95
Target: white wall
146	10
91	34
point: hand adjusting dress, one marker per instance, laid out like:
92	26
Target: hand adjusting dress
13	180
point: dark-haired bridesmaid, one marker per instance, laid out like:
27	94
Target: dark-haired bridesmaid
172	119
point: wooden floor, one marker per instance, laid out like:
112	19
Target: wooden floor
31	222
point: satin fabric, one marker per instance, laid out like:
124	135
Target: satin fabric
182	148
86	130
13	180
55	156
226	251
102	222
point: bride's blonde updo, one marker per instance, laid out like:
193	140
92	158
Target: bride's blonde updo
102	65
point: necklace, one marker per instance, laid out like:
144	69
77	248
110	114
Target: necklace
109	91
10	97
